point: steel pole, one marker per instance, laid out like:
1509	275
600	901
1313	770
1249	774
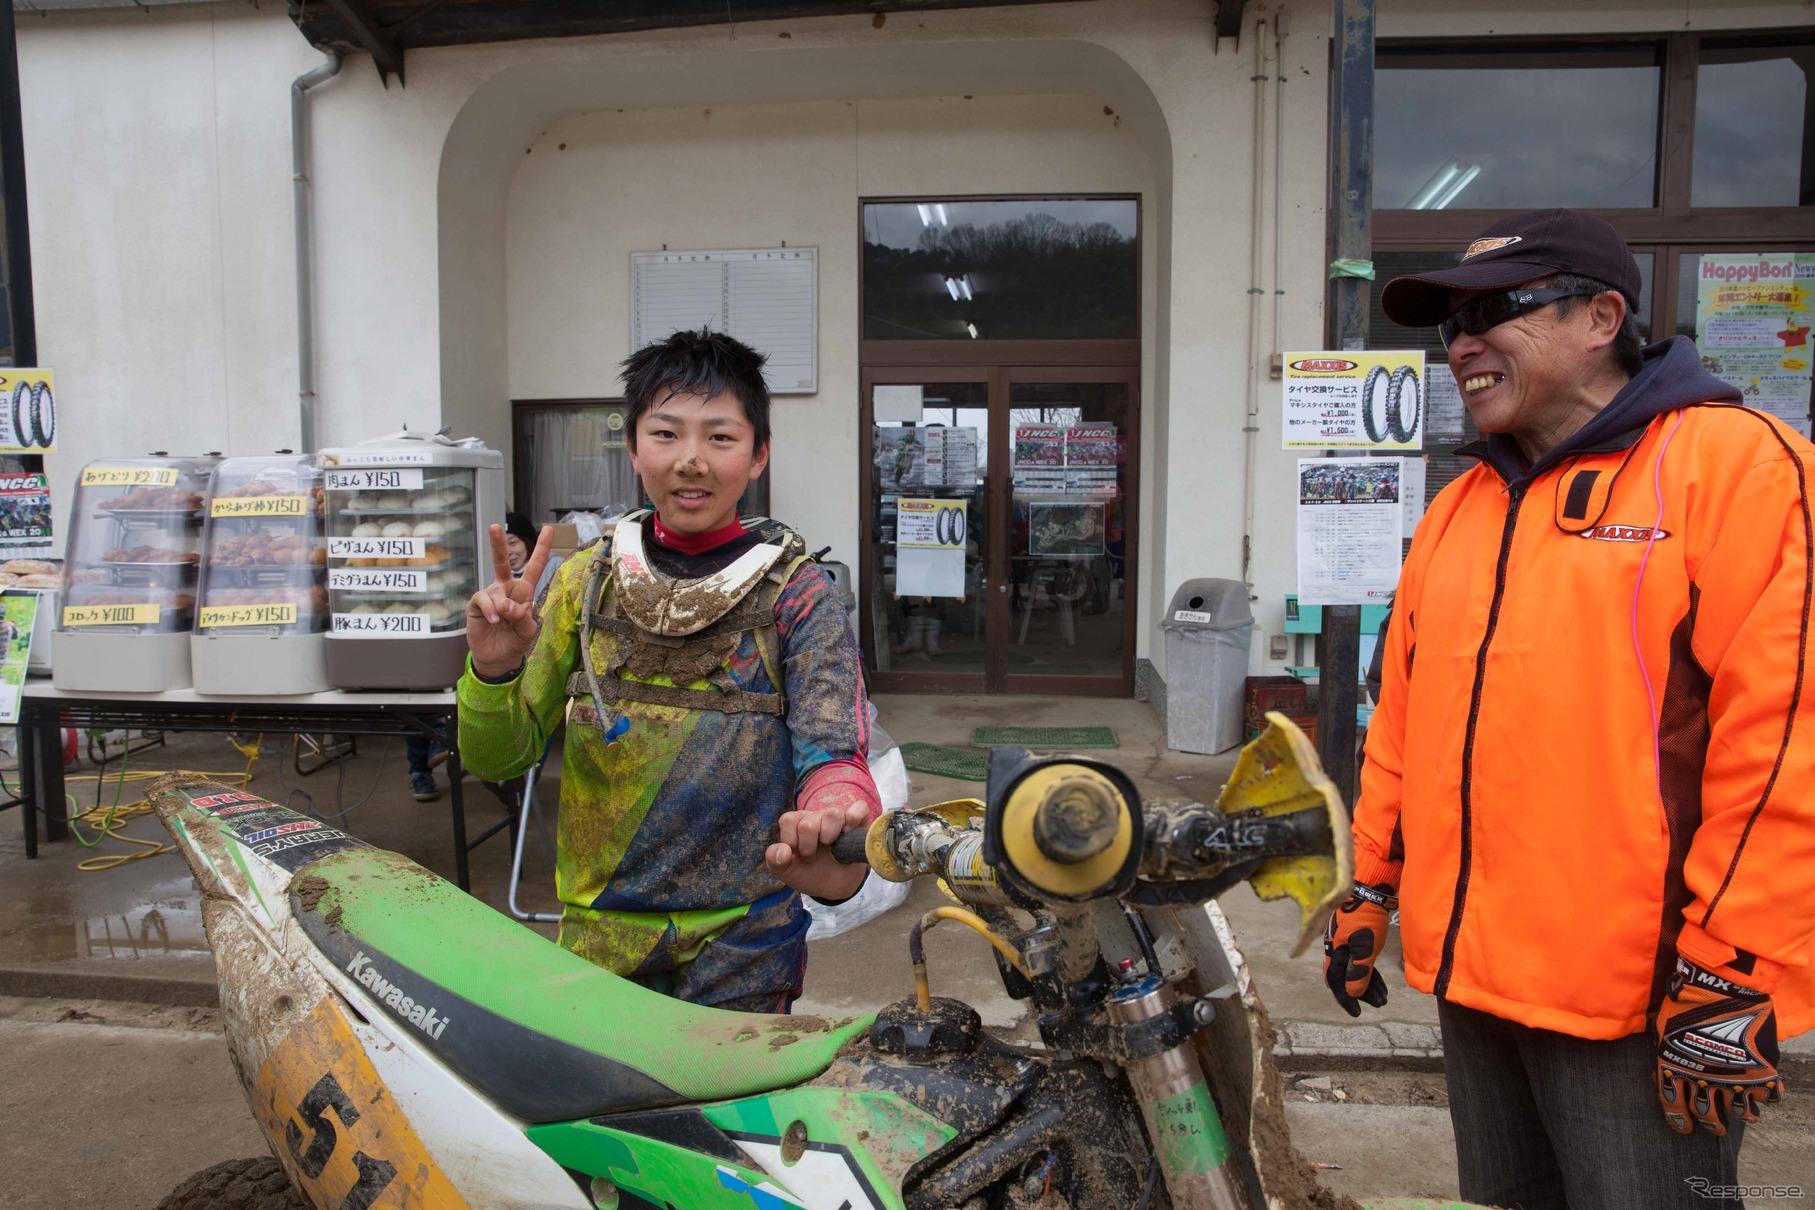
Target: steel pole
1351	176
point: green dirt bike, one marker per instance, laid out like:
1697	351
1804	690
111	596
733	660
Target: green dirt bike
402	1044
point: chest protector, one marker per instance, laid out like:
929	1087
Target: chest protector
682	632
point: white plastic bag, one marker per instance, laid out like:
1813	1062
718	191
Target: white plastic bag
877	895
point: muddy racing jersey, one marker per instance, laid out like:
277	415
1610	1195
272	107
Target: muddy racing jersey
666	810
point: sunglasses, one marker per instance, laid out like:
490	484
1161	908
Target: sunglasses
1491	310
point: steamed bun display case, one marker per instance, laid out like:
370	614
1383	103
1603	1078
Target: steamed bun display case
263	620
129	586
406	551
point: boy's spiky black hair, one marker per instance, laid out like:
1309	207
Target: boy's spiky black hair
704	363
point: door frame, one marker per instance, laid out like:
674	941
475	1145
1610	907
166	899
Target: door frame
998	501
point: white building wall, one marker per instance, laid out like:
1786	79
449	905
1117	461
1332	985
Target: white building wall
596	187
159	180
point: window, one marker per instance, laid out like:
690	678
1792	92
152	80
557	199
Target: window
1502	129
1027	269
1752	124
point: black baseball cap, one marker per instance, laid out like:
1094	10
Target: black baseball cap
1515	250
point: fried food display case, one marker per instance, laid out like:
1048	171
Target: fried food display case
406	551
263	619
130	578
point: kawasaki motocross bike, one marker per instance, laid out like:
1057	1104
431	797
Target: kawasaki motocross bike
402	1044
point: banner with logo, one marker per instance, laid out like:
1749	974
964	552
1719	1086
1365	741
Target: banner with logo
28	412
1752	325
25	521
1354	400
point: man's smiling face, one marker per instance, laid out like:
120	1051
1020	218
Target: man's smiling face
1516	375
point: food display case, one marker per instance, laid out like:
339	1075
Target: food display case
262	622
130	578
406	551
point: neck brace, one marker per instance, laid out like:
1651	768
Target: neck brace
676	608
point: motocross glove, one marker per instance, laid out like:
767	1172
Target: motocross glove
1716	1051
1352	945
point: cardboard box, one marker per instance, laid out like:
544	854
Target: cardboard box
567	539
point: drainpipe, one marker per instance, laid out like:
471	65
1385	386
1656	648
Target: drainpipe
305	281
1256	246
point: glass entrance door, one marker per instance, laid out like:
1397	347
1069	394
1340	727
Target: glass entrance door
998	535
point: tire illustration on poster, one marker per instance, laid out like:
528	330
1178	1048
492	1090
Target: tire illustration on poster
28	411
1402	380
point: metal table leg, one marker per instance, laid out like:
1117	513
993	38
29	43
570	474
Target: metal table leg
28	779
48	737
455	777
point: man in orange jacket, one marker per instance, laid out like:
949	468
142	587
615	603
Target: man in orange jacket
1587	786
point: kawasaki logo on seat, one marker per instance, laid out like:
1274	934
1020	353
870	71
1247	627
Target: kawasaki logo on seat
391	996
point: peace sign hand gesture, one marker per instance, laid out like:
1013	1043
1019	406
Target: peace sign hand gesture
501	623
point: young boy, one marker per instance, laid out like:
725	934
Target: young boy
713	698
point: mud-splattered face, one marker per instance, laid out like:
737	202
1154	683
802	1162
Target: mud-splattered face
695	456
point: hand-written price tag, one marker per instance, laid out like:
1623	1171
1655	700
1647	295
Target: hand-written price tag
247	615
258	506
361	580
111	615
380	625
129	476
377	548
372	480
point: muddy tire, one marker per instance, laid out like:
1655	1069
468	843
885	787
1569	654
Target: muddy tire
258	1183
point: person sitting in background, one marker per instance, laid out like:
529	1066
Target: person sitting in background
519	540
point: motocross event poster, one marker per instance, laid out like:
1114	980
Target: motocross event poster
28	412
18	610
25	520
1752	326
1351	522
1354	399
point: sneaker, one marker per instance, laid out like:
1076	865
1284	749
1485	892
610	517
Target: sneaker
422	785
437	756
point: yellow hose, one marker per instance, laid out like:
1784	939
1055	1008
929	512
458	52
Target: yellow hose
923	992
105	823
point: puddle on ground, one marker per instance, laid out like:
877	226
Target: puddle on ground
171	928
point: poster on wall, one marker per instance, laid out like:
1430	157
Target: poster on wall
1752	326
1350	527
25	519
900	457
1354	400
930	546
18	612
951	456
1065	529
1443	407
28	412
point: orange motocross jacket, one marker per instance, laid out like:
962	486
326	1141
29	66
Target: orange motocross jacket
1595	743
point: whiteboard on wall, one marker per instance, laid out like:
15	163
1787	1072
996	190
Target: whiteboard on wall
766	297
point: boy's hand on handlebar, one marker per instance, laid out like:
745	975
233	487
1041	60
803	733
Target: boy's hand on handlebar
501	623
802	857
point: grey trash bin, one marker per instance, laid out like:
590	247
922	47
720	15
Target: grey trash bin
1208	629
841	580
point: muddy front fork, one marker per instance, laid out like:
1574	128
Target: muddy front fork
1188	1137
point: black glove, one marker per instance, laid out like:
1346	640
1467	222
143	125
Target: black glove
1352	945
1716	1051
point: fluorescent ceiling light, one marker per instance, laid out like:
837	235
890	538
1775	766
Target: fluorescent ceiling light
951	287
945	219
926	214
972	329
964	284
1445	185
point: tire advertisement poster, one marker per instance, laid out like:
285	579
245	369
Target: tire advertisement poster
28	412
1355	400
930	539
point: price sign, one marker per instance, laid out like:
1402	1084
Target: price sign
129	476
247	615
377	548
372	480
380	625
361	579
112	615
258	506
384	458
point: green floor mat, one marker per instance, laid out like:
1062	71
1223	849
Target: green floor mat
1045	737
966	764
